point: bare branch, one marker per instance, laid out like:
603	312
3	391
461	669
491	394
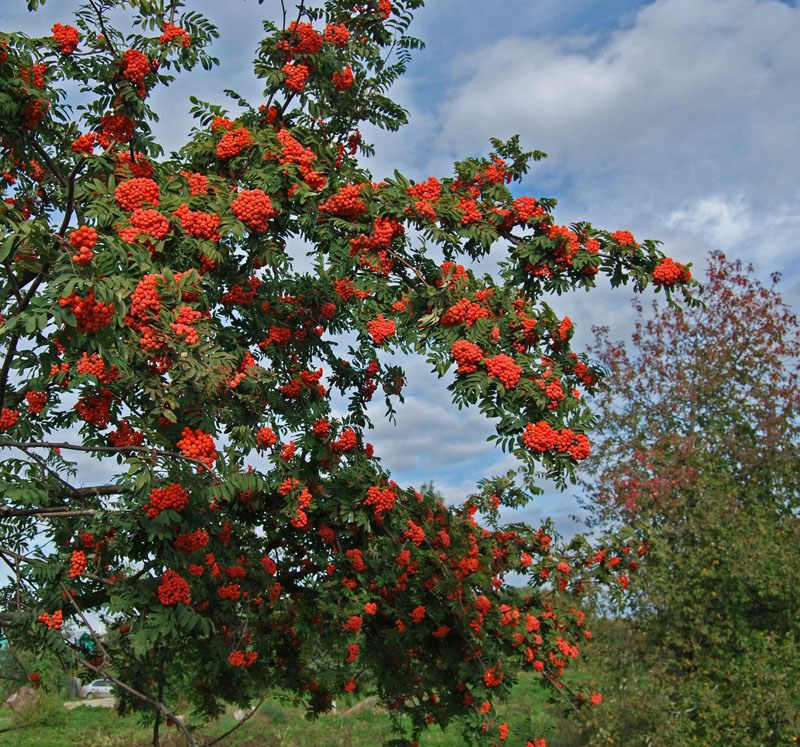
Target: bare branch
239	725
69	596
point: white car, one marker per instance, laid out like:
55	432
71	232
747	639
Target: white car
97	689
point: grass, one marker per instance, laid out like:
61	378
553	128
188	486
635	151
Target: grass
278	724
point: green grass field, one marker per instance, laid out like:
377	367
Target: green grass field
279	724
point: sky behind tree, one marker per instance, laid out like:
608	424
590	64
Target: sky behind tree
674	119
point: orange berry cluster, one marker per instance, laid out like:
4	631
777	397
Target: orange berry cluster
343	79
380	329
124	435
115	127
198	224
198	445
233	143
467	355
84	143
77	564
132	193
185	316
149	221
174	32
336	34
90	315
418	614
381	499
292	151
452	274
346	442
385	8
8	418
231	590
33	76
463	311
670	272
189	543
173	589
624	238
238	295
567	246
304	40
174	497
266	438
503	368
36	401
95	366
83	240
198	184
94	408
254	208
145	303
527	208
136	164
469	210
345	203
241	659
67	38
135	66
52	622
543	437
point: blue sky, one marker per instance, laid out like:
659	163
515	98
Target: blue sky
674	119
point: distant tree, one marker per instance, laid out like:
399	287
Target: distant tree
697	460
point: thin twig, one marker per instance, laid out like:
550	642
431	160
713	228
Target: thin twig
239	725
69	596
51	164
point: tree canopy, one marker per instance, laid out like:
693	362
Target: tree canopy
157	317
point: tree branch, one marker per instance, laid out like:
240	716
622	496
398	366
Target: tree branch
112	449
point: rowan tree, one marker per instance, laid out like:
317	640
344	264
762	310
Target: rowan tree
696	460
154	318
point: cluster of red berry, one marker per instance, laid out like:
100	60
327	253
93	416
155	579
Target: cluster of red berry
192	542
90	315
83	240
198	445
345	203
134	66
242	659
174	32
132	193
343	79
8	418
173	589
77	563
173	497
233	142
504	369
198	224
380	329
53	622
36	401
253	207
67	38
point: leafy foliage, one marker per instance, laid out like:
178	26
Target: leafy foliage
246	535
698	459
